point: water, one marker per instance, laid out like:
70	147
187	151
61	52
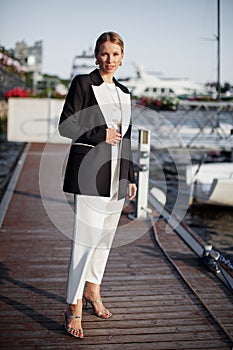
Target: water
214	225
9	152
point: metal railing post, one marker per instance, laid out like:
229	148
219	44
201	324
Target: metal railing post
143	174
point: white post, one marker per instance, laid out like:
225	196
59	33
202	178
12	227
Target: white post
143	174
231	138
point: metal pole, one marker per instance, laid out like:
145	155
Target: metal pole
143	174
49	115
218	56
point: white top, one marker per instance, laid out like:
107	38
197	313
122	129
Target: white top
114	98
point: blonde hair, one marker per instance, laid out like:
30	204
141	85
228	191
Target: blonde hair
109	36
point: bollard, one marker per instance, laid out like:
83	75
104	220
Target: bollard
231	138
143	174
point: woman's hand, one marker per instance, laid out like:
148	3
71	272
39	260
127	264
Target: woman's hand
113	137
131	192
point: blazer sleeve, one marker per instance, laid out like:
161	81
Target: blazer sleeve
75	119
131	176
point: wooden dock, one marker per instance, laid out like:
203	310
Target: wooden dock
160	294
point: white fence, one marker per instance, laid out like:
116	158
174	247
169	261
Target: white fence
34	120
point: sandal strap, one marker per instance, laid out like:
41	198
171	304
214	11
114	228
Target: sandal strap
73	316
70	329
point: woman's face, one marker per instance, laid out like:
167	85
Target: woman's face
109	57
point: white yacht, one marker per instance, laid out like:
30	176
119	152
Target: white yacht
153	85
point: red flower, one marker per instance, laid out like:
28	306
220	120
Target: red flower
17	92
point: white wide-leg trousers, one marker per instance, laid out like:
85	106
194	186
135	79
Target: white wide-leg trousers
95	224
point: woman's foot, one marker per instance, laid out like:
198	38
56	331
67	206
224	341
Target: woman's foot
92	295
73	317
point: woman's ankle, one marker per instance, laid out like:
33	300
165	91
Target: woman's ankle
72	308
92	288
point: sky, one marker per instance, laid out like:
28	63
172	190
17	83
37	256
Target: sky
174	37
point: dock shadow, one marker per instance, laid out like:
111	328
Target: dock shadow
45	321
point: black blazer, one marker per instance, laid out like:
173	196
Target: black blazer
84	119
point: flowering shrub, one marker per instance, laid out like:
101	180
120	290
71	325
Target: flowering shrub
18	92
163	102
11	64
203	98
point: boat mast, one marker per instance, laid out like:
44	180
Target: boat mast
218	53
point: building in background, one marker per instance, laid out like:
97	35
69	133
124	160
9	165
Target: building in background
30	56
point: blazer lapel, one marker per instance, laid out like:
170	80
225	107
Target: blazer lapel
102	97
125	108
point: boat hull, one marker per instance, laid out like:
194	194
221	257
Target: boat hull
212	184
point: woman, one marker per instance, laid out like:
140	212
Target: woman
99	171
